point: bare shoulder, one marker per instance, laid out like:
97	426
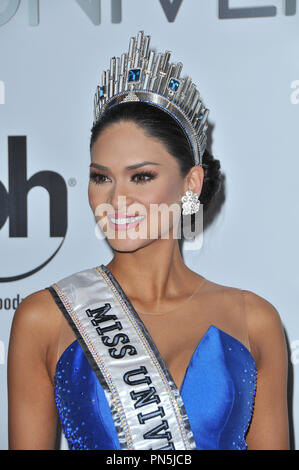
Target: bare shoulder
37	308
228	292
37	317
265	326
261	313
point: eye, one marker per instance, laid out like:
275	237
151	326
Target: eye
97	177
144	177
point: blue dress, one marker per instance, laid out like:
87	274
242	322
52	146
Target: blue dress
218	392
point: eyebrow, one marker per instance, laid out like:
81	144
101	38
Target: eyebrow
130	167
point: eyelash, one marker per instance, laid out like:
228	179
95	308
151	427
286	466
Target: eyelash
95	177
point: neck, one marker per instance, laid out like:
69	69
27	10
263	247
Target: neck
155	272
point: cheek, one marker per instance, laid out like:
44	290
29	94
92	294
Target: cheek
93	196
165	192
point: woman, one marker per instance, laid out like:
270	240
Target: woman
144	353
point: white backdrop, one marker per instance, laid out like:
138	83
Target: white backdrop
246	64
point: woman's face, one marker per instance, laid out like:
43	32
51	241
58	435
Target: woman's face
131	174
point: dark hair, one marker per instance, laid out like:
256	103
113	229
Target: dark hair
160	125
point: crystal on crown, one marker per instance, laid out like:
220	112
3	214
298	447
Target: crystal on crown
142	74
134	75
174	84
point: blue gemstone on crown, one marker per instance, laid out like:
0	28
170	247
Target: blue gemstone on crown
134	75
102	92
174	84
200	116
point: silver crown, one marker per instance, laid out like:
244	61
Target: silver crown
147	76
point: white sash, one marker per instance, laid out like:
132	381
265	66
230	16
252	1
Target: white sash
146	406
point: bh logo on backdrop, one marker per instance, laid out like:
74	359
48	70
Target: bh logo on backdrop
13	201
170	8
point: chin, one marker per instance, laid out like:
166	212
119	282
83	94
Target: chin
128	246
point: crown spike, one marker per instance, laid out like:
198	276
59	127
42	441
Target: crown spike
123	71
132	48
178	69
154	83
140	36
195	109
117	75
203	120
171	74
191	99
201	139
136	59
146	45
184	92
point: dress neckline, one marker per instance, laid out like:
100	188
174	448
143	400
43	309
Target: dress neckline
150	339
197	348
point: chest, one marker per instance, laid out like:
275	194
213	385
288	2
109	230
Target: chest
176	338
222	377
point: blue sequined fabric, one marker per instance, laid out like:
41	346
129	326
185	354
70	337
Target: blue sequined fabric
218	393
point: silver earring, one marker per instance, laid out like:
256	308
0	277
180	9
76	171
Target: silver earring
190	202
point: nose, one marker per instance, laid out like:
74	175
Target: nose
119	197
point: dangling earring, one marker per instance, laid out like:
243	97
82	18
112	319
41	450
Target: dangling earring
191	203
